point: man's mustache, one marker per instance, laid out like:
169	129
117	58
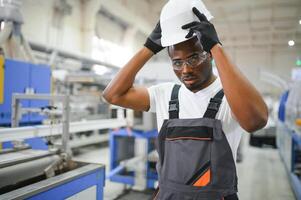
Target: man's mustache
188	77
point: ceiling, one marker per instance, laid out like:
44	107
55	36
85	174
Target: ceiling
240	23
257	23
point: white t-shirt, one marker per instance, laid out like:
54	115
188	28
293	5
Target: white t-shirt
194	105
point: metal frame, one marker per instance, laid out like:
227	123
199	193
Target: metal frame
140	181
17	112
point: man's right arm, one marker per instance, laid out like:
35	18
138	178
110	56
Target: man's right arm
121	90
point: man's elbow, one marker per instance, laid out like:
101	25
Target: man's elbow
256	123
109	98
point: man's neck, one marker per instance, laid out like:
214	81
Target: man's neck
208	82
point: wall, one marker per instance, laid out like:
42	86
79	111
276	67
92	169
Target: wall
79	28
39	25
276	61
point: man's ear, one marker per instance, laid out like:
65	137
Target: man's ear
210	57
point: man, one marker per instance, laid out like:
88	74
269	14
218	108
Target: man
199	129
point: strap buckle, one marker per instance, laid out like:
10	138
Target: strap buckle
216	100
214	104
173	105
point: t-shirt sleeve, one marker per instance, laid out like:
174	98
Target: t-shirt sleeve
159	94
152	92
231	127
229	121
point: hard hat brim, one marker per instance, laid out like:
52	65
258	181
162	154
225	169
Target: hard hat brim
174	39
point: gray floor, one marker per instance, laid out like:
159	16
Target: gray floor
261	174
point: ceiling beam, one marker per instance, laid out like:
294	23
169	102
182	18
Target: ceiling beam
254	4
121	10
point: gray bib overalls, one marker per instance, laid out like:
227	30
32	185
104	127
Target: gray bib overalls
195	159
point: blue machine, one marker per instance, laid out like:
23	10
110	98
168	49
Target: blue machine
37	143
122	147
283	100
290	152
289	144
20	77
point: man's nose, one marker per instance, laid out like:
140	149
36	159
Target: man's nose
187	68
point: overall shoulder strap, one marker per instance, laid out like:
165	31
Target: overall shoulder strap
214	105
174	103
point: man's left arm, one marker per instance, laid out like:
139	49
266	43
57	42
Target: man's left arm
246	103
244	100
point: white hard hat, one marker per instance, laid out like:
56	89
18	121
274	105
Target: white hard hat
174	15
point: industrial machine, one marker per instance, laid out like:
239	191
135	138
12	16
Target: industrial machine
38	174
293	108
24	77
289	135
29	173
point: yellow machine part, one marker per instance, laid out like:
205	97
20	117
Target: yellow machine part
1	79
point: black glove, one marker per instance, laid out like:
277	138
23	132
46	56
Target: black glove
153	42
204	28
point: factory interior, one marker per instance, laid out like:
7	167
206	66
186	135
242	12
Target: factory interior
61	138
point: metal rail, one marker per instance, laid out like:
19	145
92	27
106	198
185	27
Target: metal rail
9	134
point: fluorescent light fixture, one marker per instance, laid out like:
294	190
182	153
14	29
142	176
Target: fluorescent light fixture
59	74
300	21
1	25
291	43
109	52
100	69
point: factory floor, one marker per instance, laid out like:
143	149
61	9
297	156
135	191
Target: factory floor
261	175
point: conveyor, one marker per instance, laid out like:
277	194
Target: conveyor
23	166
36	174
27	173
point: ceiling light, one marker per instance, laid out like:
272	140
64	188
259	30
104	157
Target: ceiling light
291	43
1	25
300	21
100	69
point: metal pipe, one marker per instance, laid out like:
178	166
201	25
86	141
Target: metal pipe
66	124
115	171
52	59
5	32
13	174
28	50
85	59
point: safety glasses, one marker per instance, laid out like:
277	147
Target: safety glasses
193	61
